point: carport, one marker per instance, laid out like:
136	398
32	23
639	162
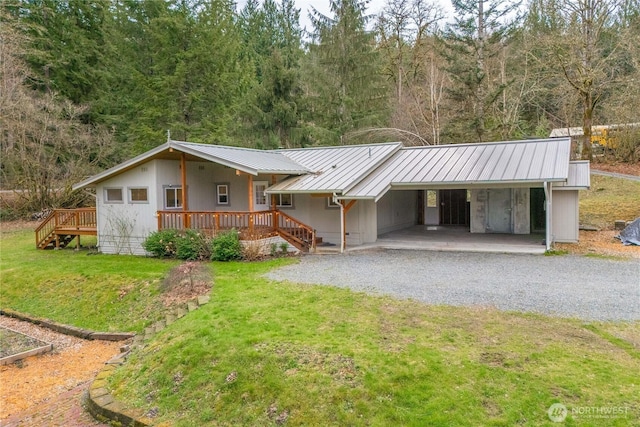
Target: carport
500	193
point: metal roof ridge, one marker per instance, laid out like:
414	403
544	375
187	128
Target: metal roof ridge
230	147
377	144
472	144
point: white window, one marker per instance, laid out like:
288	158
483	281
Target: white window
222	194
113	195
260	195
173	197
138	195
284	200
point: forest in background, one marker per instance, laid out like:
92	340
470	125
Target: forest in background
85	84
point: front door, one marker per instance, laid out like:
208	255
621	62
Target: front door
260	198
499	210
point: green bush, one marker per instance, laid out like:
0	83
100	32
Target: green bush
162	243
193	246
226	246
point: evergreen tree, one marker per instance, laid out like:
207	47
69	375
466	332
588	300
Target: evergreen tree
66	39
344	81
187	74
478	34
273	40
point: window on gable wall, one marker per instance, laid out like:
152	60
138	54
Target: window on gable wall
138	195
173	197
113	195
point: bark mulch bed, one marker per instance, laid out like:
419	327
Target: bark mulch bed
36	380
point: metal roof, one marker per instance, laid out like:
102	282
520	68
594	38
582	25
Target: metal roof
579	176
564	132
247	160
334	169
507	162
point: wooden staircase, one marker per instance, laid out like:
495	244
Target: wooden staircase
295	232
61	226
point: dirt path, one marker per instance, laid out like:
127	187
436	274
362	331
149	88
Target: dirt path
615	175
48	387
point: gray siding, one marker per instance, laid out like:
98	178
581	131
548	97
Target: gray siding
565	216
396	210
123	226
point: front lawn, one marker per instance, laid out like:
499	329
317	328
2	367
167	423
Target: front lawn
269	353
79	288
275	353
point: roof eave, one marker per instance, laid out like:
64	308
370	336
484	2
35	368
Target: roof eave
282	172
121	167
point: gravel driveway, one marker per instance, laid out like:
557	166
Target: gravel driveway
568	286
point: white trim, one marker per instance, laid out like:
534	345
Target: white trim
107	200
223	184
178	199
548	215
137	202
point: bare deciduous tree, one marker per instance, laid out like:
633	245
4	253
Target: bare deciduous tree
44	146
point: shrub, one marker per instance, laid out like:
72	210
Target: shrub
162	243
284	247
226	246
193	246
273	249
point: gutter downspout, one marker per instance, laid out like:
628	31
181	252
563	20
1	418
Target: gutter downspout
342	236
548	207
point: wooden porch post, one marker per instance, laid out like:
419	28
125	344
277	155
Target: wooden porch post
273	196
250	180
183	177
274	211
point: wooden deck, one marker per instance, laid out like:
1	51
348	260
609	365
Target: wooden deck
62	226
251	225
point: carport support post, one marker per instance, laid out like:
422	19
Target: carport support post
548	218
344	209
343	237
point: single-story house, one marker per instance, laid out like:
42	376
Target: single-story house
344	195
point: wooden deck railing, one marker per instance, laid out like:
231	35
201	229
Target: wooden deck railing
258	224
68	222
295	231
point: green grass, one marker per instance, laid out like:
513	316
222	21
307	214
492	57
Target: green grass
262	351
609	199
80	288
326	356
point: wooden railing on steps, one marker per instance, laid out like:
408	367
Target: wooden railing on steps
66	222
249	224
